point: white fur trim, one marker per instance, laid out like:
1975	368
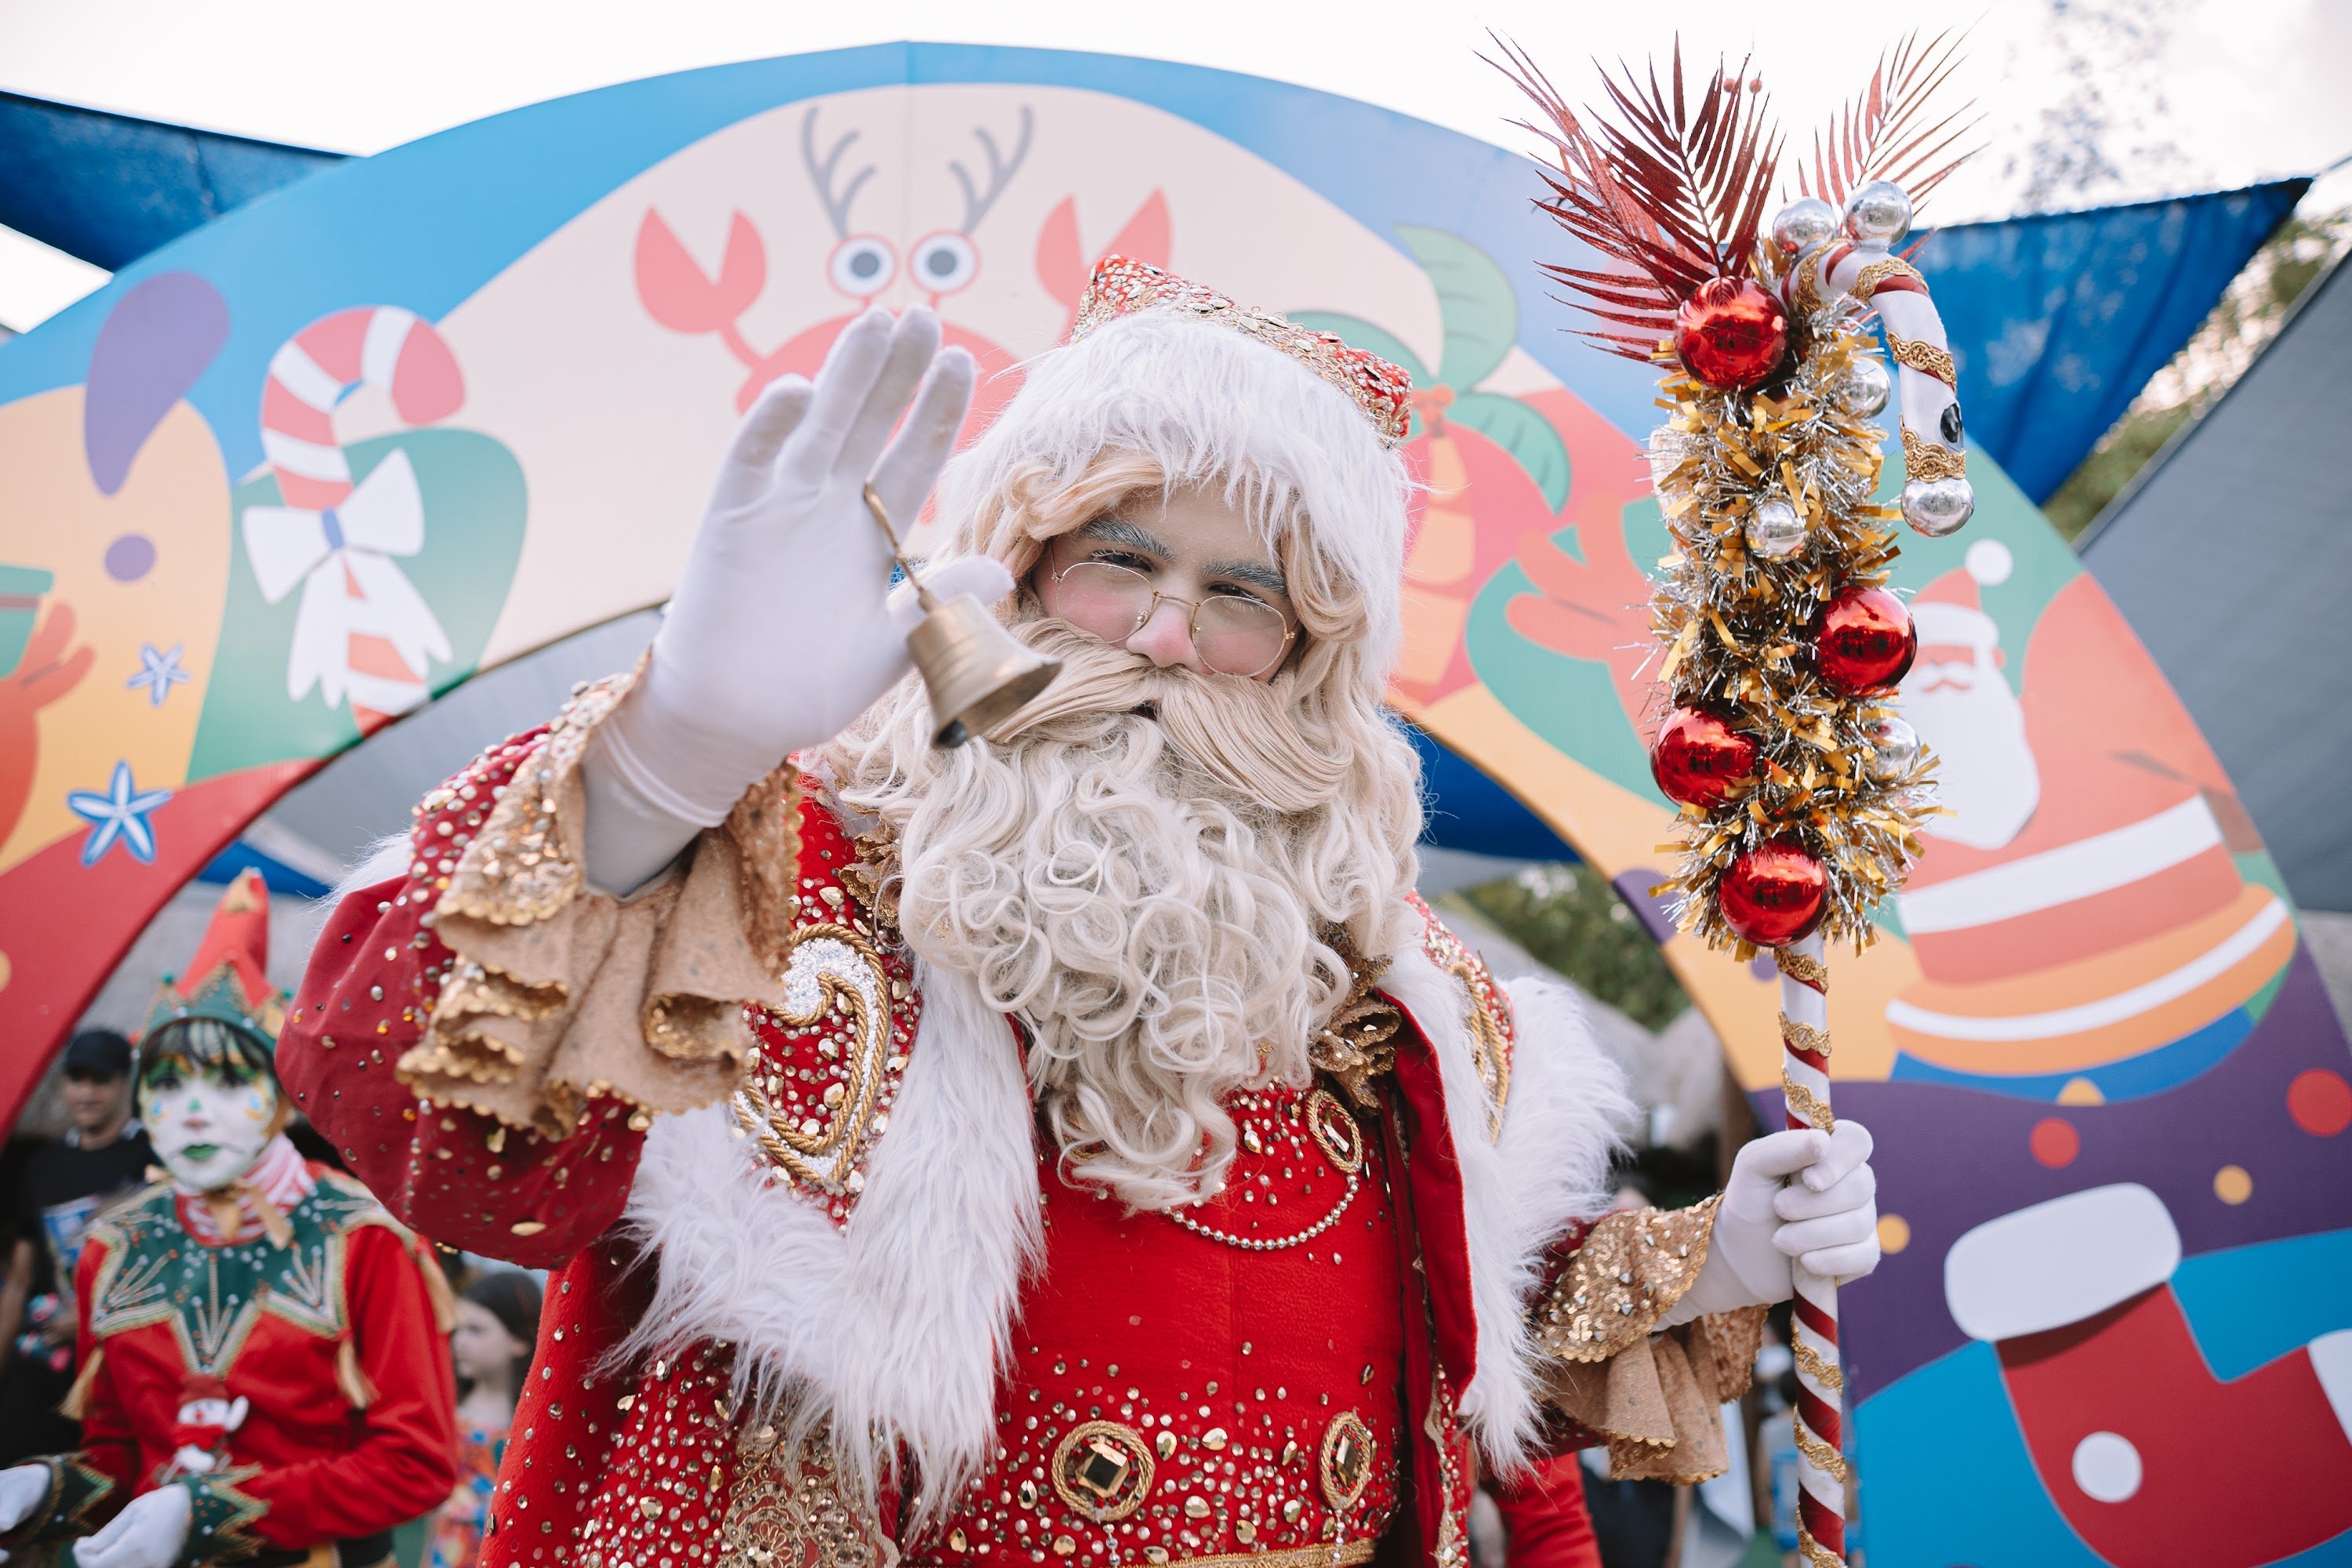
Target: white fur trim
385	859
897	1324
1561	1128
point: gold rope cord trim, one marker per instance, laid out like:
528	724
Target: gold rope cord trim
1807	1104
1925	357
1346	1554
1803	1036
1931	460
1867	282
1824	1458
1802	968
1810	1362
1816	1555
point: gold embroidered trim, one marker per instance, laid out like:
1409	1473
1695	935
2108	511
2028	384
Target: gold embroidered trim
1816	1555
1803	1036
1359	1042
1925	357
1824	1458
1931	460
1803	967
1807	1104
832	971
787	1508
1810	1362
1867	282
1341	1554
1490	1015
1630	1271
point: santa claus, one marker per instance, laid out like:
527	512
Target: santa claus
2080	904
1079	1146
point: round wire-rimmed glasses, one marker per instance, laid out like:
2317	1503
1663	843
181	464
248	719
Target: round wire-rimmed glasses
1232	633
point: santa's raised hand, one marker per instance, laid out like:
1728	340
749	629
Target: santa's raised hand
783	628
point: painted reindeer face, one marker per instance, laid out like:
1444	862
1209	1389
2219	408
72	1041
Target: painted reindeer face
943	262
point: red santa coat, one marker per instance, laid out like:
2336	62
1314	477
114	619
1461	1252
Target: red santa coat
874	1223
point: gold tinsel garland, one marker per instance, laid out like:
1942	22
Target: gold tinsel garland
1736	627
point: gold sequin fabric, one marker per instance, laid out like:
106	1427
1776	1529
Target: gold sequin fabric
1652	1396
1122	286
1359	1044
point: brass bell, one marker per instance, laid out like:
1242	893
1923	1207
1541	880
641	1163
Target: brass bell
977	673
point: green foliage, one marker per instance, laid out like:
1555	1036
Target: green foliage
2121	453
1567	917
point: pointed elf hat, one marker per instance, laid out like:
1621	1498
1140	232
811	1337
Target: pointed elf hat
228	978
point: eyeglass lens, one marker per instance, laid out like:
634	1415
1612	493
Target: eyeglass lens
1233	633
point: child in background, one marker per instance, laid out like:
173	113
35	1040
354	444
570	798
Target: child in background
498	1323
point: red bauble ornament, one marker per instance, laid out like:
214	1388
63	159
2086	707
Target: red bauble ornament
1774	894
1863	640
1696	756
1732	333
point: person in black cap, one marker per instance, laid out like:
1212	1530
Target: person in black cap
103	1154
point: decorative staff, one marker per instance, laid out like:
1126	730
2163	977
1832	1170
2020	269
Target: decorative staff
1799	789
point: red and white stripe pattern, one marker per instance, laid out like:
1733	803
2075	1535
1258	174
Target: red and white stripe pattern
381	346
1821	1425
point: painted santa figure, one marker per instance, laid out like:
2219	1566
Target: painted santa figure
1079	1146
264	1352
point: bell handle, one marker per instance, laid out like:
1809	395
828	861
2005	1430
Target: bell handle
897	551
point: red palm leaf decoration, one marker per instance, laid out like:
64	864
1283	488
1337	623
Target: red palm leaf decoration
1675	193
1885	134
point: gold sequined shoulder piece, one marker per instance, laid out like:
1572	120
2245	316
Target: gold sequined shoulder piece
1493	1036
1358	1043
1631	1269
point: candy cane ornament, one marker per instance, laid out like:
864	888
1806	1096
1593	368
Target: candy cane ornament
1820	1381
362	630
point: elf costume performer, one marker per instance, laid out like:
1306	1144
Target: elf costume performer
1079	1146
265	1361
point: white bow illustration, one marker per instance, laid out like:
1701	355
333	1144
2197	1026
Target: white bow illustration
343	557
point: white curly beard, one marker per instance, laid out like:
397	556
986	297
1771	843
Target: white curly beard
1110	871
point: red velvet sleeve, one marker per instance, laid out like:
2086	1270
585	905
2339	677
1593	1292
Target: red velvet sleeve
1545	1521
455	1176
405	1460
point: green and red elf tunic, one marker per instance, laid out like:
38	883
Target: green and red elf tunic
822	1291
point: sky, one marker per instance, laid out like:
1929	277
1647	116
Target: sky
2204	94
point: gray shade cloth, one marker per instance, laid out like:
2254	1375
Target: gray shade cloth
2232	560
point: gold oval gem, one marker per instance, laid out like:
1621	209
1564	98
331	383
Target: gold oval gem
1346	1461
1214	1439
1196	1507
1292	1509
1335	1132
1245	1531
1165	1444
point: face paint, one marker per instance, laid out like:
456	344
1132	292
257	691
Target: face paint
207	1131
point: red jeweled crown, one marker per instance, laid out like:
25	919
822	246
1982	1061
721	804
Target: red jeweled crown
1122	286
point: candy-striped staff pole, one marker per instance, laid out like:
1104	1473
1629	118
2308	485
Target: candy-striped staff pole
1814	1337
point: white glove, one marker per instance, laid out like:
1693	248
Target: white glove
778	635
21	1487
147	1533
1826	1219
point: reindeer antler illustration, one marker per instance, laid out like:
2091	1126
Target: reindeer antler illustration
821	171
1001	170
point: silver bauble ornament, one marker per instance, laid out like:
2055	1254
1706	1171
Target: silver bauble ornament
1938	507
1879	214
1862	387
1894	749
1804	224
1775	530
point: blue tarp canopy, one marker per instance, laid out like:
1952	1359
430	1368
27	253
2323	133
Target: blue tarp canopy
2056	321
109	188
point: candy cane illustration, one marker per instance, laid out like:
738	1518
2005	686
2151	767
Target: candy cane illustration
361	631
